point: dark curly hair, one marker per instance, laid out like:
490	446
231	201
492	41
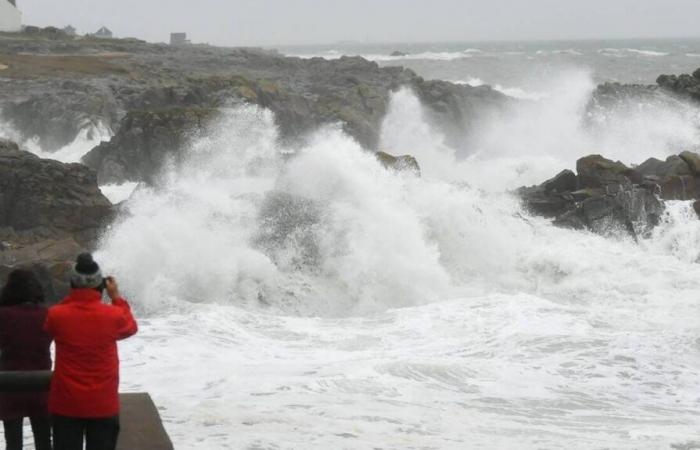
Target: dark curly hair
22	287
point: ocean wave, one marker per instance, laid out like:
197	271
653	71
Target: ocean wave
90	136
693	55
646	52
568	51
514	92
436	56
623	52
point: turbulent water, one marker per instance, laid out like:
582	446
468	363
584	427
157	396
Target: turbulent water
309	298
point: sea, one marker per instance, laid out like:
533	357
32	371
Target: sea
323	302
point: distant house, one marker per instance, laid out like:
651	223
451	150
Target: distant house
10	17
177	39
70	30
104	33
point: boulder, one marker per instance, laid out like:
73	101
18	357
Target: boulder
564	181
686	86
634	210
398	163
550	199
692	159
49	212
146	139
49	199
594	171
604	197
673	166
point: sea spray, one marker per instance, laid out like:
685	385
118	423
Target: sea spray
89	136
593	340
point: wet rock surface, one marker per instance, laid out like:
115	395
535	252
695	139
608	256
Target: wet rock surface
49	211
62	83
608	196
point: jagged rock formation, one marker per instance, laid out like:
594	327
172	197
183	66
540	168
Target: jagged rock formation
145	140
61	83
48	212
682	85
604	196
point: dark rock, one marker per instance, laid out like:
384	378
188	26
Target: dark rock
50	260
398	53
604	198
565	181
673	166
692	159
594	171
49	198
687	86
49	212
56	118
54	96
675	176
678	187
634	210
696	207
144	142
399	163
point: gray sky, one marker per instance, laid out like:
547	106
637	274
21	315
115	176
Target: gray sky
276	22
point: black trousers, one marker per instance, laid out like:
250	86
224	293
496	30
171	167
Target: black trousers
41	427
99	434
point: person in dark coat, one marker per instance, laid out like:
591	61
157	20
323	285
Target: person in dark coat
24	345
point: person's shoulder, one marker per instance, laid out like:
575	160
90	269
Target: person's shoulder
58	307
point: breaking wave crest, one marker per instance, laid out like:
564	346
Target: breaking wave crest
327	230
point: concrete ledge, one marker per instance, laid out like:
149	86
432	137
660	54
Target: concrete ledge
141	425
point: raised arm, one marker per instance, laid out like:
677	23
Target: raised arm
126	325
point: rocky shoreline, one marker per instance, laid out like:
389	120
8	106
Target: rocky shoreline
154	97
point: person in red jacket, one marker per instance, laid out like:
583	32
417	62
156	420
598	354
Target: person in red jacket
24	346
84	393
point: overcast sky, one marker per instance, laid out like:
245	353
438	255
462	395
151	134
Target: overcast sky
278	22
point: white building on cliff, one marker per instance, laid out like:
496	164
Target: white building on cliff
10	17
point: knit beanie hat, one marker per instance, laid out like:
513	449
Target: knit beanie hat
86	273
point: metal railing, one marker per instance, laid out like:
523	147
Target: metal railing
25	381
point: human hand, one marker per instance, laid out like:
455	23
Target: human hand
112	288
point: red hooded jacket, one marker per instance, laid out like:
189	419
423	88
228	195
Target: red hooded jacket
85	383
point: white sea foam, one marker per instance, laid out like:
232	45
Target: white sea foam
514	92
646	52
117	193
377	309
88	138
623	52
437	56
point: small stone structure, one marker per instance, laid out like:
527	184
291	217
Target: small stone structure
178	39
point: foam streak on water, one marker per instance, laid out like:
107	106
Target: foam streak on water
320	301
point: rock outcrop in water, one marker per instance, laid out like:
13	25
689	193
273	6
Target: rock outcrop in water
49	211
606	195
144	141
683	85
680	87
